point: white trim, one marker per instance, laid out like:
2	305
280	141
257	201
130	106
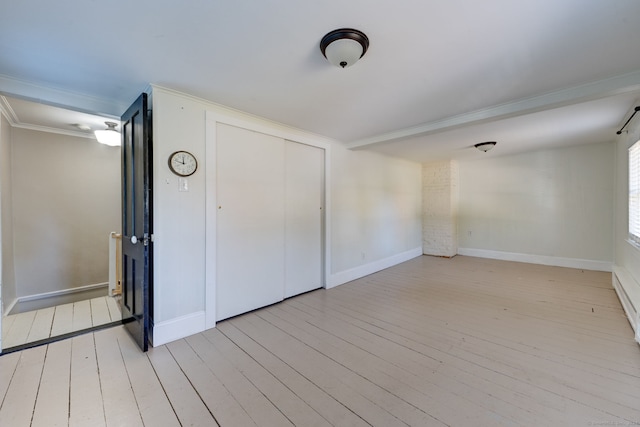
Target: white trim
343	277
8	111
633	244
211	221
79	102
179	327
12	118
584	264
628	290
62	292
587	92
10	307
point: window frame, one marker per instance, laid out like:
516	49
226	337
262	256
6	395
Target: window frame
634	194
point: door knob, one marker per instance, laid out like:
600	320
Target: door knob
145	239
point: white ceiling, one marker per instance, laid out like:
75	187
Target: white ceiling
439	75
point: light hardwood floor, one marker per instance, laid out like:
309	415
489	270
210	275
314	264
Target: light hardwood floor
430	342
31	326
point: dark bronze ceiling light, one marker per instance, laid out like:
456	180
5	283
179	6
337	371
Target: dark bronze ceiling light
344	47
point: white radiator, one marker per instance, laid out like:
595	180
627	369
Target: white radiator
628	291
115	259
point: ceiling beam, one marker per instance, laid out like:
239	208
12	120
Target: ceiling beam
587	92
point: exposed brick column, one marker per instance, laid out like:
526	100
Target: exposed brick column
440	193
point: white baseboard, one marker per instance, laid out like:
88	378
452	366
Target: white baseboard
343	277
10	307
62	292
49	299
628	290
180	327
583	264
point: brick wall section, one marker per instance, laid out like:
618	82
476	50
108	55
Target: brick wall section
440	193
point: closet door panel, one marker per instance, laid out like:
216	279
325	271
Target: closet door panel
251	219
304	198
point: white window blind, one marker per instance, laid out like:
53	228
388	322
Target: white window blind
634	193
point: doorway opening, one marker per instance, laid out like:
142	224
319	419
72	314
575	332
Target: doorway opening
60	201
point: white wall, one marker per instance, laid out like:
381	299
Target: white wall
178	217
373	206
627	256
66	200
551	206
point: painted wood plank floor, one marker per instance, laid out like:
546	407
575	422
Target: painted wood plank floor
430	342
31	326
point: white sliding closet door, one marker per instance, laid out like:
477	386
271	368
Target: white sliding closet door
304	200
251	220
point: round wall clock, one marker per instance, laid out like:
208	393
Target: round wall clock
183	163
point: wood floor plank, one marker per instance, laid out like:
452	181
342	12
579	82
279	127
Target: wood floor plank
608	409
319	369
42	323
322	402
17	406
8	365
257	406
19	331
416	400
226	410
404	361
85	397
7	322
185	401
292	406
62	320
606	372
52	404
54	321
114	309
120	406
152	401
99	311
81	315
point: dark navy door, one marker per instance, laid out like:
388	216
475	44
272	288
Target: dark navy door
137	242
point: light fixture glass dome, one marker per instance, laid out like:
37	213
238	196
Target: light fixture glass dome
109	136
343	53
344	47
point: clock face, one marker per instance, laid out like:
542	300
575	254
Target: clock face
182	163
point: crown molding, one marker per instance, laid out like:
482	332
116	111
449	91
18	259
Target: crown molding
61	98
617	85
14	121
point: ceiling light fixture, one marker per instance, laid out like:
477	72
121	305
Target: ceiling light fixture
109	136
344	47
485	146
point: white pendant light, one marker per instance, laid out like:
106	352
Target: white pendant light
109	136
344	47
